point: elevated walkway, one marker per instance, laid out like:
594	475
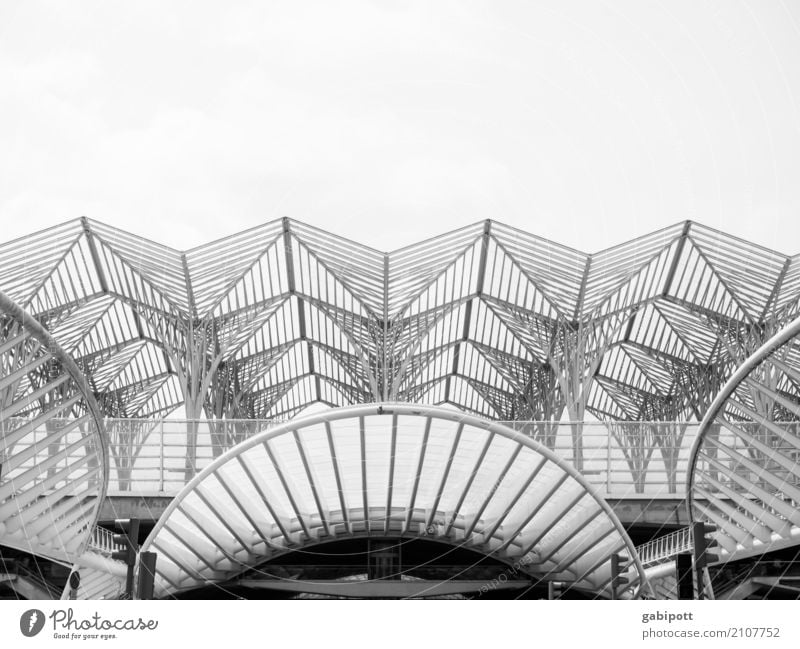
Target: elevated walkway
156	458
644	485
657	512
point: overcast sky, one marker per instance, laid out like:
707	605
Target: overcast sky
388	122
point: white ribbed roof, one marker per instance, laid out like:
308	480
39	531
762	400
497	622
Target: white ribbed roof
390	471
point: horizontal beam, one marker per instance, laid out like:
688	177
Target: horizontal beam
381	588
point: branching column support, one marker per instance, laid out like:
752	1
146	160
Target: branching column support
575	365
545	402
198	373
226	401
740	340
664	416
575	360
657	425
125	440
195	353
194	397
576	351
637	442
669	437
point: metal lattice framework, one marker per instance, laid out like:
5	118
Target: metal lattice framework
493	320
53	457
745	467
393	470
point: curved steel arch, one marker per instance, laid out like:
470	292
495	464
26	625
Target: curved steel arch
391	470
744	468
53	454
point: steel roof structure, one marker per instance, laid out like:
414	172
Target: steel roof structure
493	320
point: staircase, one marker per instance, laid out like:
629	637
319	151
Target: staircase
658	559
101	577
663	549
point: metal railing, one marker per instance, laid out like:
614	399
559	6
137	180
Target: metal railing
102	542
664	548
150	458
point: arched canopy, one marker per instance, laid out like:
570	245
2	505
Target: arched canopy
391	470
53	459
744	474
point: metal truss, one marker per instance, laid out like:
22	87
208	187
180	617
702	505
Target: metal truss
493	320
53	455
393	470
744	473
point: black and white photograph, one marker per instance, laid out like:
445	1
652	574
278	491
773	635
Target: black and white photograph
380	300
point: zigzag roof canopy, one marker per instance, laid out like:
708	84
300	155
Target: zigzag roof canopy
494	320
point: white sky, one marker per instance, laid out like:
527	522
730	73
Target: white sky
388	122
